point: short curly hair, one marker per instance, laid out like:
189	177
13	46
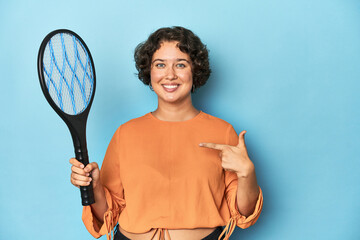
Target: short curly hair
188	43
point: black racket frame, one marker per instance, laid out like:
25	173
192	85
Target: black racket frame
75	123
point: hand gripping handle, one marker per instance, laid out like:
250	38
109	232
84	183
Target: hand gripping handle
87	193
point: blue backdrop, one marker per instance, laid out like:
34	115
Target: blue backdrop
285	71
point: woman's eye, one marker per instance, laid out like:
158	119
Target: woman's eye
180	65
160	65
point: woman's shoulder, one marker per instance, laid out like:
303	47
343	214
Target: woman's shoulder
216	121
135	123
132	123
138	120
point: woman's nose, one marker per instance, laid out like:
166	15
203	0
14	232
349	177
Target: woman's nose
171	74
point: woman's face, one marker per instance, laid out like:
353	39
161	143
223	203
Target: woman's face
171	73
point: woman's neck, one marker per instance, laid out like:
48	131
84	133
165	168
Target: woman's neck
175	112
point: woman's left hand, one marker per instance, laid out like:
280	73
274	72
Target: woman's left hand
234	158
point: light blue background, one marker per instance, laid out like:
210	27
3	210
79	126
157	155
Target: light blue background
285	71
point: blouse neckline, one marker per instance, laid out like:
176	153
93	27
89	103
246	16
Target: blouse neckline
176	122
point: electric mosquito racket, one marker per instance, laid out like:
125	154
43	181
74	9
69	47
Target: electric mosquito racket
67	78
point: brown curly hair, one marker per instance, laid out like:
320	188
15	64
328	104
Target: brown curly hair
188	43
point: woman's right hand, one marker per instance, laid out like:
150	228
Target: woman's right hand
80	174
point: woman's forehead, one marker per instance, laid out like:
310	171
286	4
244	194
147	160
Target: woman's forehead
170	51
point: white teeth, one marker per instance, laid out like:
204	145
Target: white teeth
170	86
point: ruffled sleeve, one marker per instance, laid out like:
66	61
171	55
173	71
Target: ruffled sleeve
231	181
231	192
114	192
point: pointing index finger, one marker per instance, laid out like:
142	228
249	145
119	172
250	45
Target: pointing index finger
213	146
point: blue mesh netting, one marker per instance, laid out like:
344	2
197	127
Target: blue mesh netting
68	73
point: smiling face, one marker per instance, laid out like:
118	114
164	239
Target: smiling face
171	73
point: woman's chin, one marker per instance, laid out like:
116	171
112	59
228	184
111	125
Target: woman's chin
171	99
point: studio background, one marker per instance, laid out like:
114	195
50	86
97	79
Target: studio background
285	71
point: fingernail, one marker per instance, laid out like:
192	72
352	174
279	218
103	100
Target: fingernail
82	166
201	144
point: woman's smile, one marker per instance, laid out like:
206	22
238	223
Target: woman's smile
170	87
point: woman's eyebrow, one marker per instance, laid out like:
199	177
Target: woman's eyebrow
178	60
161	60
182	59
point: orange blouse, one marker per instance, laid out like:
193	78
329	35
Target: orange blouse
155	175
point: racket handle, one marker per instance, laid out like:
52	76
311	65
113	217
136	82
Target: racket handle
87	193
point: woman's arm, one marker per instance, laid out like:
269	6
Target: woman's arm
100	206
236	159
247	191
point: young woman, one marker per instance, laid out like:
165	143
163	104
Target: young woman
175	173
